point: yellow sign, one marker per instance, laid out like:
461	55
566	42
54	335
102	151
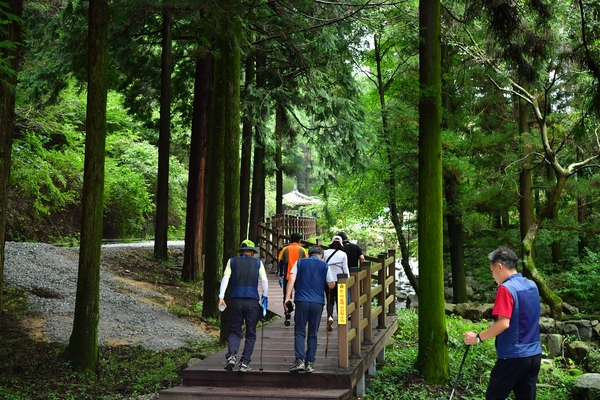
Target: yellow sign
341	303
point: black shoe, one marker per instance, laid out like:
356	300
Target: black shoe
288	317
230	363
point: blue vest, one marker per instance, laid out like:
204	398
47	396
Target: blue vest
244	277
310	280
522	338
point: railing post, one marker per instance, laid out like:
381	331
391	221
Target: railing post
268	237
392	272
368	307
381	296
355	321
261	240
343	358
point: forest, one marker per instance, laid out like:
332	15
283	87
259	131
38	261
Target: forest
449	129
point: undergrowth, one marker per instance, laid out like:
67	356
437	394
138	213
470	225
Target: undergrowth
32	369
398	378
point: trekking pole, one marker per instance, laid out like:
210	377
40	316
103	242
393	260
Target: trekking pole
262	330
459	371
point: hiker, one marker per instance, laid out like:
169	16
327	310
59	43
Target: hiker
338	262
308	277
243	301
287	258
352	250
516	329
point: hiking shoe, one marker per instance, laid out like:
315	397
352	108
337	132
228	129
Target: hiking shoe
310	367
329	324
298	366
230	363
287	319
244	367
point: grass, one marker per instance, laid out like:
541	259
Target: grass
398	379
31	368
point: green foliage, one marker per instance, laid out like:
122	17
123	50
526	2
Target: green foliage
580	284
398	379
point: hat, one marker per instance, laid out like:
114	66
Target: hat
336	238
343	235
247	245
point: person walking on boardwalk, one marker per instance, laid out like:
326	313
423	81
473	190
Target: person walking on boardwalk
516	329
287	258
308	277
244	272
338	262
352	250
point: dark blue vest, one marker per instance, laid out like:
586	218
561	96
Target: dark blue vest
244	277
522	338
310	280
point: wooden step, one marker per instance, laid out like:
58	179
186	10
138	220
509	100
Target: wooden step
252	393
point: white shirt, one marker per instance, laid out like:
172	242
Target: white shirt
338	263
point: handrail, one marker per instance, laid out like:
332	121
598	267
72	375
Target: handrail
361	309
370	304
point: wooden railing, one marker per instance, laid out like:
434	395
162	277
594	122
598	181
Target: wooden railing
274	233
371	303
372	288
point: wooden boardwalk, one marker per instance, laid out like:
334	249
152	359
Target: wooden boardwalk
274	354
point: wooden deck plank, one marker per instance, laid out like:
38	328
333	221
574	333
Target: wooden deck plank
209	380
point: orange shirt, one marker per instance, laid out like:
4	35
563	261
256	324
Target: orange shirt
290	254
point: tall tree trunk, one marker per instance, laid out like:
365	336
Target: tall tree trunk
8	85
581	219
246	157
82	350
459	281
164	141
192	253
525	180
397	221
257	206
551	298
453	215
279	110
556	248
432	359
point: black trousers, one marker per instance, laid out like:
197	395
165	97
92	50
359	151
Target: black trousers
514	374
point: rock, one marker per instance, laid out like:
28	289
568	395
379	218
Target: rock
587	387
547	325
412	301
581	329
578	351
594	363
569	309
450	308
596	332
461	309
553	344
473	313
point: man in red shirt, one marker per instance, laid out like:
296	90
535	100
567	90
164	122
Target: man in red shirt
517	330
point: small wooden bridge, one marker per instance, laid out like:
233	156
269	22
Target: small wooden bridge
353	348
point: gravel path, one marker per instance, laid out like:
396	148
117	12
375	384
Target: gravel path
50	274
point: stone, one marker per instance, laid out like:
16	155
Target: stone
461	309
587	387
577	351
594	363
552	342
449	308
193	361
547	325
581	329
412	301
569	309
